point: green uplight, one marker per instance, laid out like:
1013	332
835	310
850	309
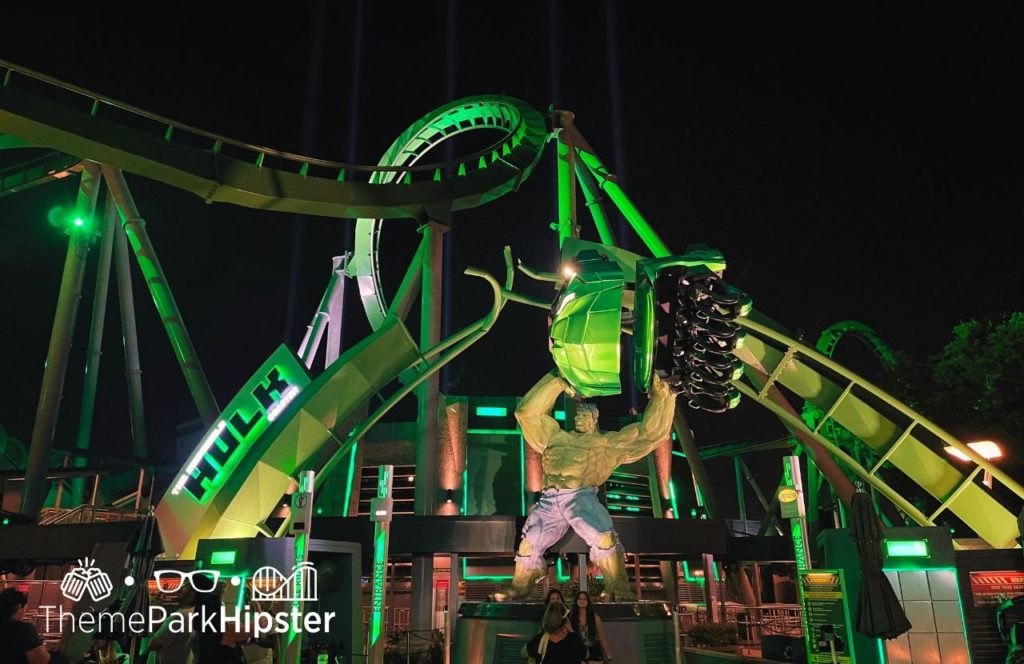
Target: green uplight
560	415
906	548
7	521
496	432
672	497
491	411
222	558
79	221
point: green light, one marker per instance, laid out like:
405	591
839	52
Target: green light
465	490
79	222
697	579
222	558
906	548
560	415
7	521
500	432
672	497
319	510
491	411
351	476
379	569
797	534
483	577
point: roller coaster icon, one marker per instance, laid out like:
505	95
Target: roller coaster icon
268	584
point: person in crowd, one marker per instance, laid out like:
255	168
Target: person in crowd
558	644
19	641
588	625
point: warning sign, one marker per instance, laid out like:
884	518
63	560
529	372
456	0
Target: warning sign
987	587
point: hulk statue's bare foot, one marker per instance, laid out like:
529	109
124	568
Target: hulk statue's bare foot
616	583
521	587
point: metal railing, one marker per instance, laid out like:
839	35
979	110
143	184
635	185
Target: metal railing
217	142
754	622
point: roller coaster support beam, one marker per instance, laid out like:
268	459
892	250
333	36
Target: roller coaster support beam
328	316
402	303
567	226
129	333
606	180
426	418
135	227
92	361
592	197
55	369
697	468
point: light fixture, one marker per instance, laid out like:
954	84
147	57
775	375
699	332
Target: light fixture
449	496
986	449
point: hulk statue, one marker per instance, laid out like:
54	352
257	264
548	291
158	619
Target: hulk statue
574	464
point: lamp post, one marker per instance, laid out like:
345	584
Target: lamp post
987	449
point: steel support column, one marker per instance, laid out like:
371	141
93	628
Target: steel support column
95	352
54	370
428	402
135	227
700	473
130	339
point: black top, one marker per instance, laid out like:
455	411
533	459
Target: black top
587	630
16	639
567	651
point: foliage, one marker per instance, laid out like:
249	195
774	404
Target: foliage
714	634
974	387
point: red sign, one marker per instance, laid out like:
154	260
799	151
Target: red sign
989	586
440	584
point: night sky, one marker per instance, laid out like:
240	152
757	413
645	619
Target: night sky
863	168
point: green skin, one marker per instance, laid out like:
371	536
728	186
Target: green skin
587	457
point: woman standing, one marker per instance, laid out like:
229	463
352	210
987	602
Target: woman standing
558	644
588	625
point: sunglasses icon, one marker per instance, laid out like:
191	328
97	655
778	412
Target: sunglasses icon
171	581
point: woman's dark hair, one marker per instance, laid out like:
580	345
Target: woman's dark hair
574	614
10	601
554	591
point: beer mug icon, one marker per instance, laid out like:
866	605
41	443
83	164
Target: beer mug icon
86	578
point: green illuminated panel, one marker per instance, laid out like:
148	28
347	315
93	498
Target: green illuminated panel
906	548
560	415
351	478
672	496
483	577
491	411
499	432
222	558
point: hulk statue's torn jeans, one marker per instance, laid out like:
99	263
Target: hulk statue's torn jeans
559	510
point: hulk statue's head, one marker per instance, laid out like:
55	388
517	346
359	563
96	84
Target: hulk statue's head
586	418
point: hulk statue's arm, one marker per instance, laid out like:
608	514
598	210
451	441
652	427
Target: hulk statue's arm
639	439
533	412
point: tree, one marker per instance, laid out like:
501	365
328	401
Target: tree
974	387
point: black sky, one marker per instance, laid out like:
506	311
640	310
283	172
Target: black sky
862	168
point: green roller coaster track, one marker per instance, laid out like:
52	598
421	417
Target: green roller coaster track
70	121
